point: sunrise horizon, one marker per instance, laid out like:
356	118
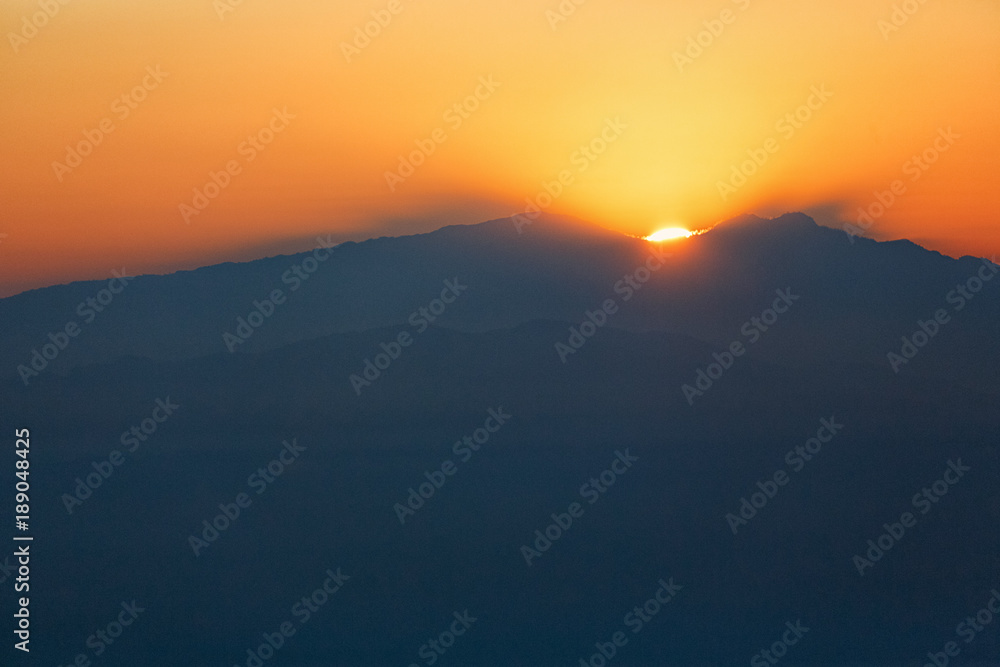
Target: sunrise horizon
291	247
542	332
186	152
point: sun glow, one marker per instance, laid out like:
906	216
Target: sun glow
670	163
669	234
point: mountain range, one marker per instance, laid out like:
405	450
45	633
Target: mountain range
706	363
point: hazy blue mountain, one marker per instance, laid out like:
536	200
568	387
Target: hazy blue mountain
553	269
691	459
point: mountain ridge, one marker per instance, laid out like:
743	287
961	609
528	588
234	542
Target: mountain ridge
554	269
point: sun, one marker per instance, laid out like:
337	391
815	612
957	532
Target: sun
669	234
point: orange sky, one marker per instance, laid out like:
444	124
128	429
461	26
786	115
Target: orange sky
673	128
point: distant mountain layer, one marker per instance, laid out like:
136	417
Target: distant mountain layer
856	300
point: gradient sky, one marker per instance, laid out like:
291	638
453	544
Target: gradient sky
559	86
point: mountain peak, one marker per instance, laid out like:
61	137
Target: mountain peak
785	220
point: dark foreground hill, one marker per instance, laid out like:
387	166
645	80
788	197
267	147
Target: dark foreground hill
339	503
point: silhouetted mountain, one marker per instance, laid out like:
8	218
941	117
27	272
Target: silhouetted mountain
378	420
857	300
